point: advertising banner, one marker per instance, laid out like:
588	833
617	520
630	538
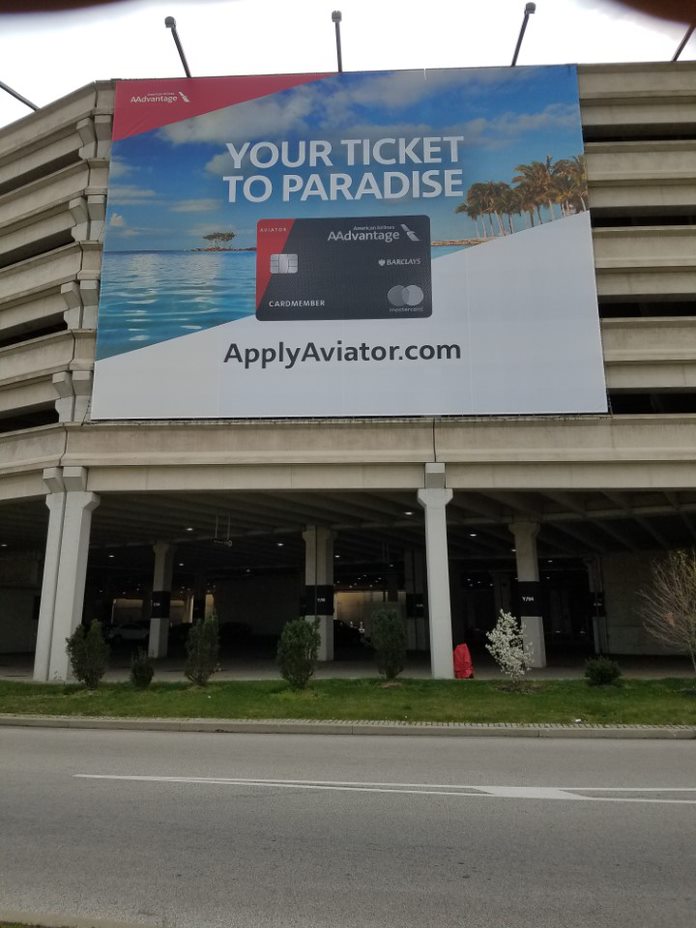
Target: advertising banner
359	244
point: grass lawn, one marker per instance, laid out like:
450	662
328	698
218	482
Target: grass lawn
648	702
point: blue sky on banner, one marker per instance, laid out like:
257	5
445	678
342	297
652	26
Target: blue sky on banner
167	185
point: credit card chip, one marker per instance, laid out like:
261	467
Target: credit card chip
283	264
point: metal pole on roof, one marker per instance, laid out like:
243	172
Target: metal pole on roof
336	18
17	96
528	10
682	44
170	23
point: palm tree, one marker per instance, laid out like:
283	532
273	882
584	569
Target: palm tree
539	183
477	205
509	203
527	201
571	182
494	194
537	177
473	207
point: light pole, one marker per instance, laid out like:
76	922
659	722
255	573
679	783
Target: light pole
528	10
336	18
17	96
170	23
682	44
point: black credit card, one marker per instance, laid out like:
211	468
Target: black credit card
366	267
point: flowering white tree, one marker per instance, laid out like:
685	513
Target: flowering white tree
507	648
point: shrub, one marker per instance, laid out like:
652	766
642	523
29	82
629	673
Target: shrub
508	650
297	652
88	654
388	638
202	649
141	669
669	603
601	671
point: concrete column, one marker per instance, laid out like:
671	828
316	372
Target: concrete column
525	534
146	608
502	597
434	498
65	570
55	500
392	583
415	601
319	582
161	598
598	610
199	595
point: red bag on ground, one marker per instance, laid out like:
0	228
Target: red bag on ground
463	665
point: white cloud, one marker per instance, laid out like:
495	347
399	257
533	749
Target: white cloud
119	168
130	195
268	116
333	106
120	228
195	206
220	165
555	115
411	88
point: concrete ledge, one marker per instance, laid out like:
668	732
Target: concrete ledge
357	727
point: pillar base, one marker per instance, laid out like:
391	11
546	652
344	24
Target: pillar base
434	499
599	630
159	638
63	587
326	636
533	636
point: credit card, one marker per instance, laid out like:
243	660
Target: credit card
366	267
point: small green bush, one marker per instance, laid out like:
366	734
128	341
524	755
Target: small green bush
141	669
601	671
88	654
202	649
388	638
297	652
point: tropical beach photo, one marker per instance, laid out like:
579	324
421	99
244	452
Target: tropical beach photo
179	254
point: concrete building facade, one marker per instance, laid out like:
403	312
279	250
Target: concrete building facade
555	517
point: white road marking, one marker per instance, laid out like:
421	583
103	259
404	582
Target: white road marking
529	792
567	793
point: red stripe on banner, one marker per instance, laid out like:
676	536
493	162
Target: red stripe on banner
143	105
271	238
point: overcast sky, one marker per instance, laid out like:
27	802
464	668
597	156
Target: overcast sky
47	56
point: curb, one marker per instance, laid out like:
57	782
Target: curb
50	920
356	727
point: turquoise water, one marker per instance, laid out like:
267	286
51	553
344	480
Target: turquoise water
151	296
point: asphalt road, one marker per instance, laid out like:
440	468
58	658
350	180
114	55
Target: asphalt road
185	831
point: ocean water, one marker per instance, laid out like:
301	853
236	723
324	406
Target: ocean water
151	296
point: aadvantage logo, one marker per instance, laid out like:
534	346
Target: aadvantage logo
161	96
373	233
411	235
363	235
